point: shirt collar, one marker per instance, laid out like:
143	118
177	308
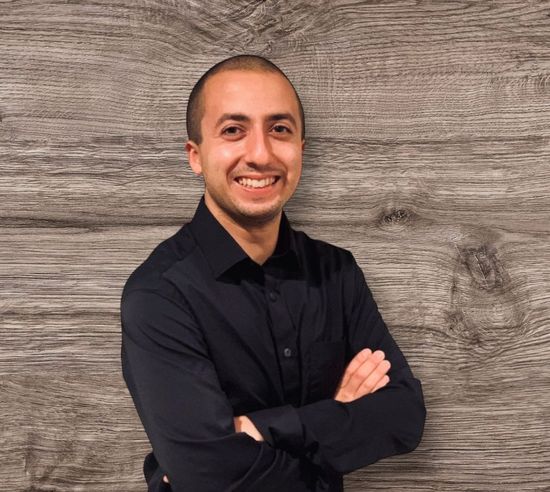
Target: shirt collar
223	252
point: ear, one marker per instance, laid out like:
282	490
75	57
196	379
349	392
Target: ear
303	144
193	156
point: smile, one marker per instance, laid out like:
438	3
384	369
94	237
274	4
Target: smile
257	183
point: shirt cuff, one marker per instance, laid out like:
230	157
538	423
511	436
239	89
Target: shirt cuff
280	427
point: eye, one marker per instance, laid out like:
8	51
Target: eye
281	129
231	130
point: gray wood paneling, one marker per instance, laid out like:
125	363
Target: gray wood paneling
428	127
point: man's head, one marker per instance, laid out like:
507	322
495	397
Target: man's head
195	104
246	137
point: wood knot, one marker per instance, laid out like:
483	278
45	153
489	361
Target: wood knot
484	267
396	216
486	310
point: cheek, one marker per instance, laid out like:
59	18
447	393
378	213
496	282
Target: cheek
225	153
224	157
291	156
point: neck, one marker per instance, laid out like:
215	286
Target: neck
257	239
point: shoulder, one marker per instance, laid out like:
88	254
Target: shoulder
153	309
152	275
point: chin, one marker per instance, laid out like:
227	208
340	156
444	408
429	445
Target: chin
260	213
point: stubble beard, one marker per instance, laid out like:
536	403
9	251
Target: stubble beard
244	214
255	216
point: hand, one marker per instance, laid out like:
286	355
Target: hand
244	424
366	373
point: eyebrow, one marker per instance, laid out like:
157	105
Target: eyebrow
245	118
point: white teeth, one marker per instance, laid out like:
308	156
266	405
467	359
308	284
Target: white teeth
256	183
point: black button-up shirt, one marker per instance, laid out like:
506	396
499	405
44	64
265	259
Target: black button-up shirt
208	334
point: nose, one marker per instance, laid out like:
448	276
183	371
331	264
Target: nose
258	149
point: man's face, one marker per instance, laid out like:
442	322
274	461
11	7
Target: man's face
251	149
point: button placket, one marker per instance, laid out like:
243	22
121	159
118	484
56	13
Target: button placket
285	337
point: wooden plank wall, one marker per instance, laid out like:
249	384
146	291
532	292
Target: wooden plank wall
428	128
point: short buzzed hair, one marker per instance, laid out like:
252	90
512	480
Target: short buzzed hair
195	104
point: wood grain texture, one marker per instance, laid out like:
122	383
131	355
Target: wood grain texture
428	150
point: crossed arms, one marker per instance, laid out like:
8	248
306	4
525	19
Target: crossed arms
377	411
365	374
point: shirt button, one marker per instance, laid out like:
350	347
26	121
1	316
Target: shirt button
273	296
287	352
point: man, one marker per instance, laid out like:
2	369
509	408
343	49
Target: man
256	356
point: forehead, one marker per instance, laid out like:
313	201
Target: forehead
248	91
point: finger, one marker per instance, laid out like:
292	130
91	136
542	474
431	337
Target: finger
365	370
380	384
378	379
369	383
165	479
355	363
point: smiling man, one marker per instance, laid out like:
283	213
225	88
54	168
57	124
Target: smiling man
255	355
249	151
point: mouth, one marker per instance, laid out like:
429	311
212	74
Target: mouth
257	184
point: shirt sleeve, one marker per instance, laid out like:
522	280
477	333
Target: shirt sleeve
348	436
186	415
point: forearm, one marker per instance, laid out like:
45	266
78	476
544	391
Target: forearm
242	424
272	471
348	436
